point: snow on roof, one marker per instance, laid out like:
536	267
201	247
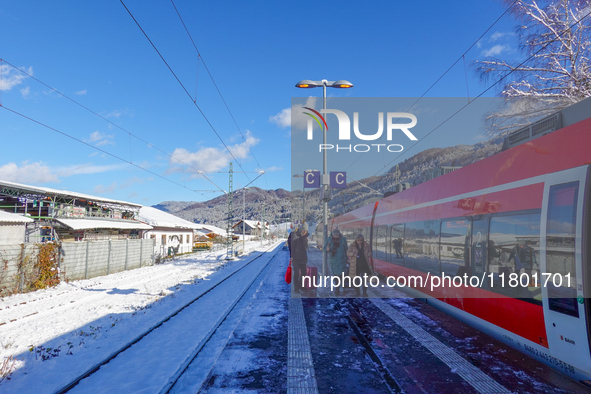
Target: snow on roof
14	218
82	224
157	218
252	223
66	193
211	229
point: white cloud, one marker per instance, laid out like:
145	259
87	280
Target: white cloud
11	77
81	92
496	50
39	172
282	119
498	35
300	121
209	159
25	92
27	173
100	139
87	169
117	113
100	189
271	169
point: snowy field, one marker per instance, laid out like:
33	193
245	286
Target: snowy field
50	336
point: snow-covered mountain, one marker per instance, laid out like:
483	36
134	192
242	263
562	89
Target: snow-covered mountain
278	202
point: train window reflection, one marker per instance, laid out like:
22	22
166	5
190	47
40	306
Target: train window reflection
514	247
380	243
397	244
454	247
560	248
421	246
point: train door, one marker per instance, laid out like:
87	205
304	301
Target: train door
561	276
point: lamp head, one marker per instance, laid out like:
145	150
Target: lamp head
306	84
341	84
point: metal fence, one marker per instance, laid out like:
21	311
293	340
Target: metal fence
77	260
83	260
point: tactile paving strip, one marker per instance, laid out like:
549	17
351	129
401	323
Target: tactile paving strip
472	375
300	367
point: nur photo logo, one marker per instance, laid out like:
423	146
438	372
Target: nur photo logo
344	130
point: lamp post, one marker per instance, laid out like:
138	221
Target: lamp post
303	195
340	84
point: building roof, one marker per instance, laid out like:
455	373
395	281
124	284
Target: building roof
211	229
252	224
14	218
84	224
157	218
27	189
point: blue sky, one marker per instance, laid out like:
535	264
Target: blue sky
94	53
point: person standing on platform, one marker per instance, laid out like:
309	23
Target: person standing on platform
360	260
336	247
299	255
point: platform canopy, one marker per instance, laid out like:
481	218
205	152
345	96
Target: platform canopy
7	217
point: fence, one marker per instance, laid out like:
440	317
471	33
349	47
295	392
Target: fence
17	267
77	260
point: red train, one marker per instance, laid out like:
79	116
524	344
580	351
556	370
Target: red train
523	211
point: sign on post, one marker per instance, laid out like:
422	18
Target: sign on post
311	179
338	179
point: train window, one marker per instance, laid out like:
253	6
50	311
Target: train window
454	250
479	253
560	248
349	234
380	239
514	247
421	246
396	237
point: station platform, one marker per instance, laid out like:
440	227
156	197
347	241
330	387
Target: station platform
287	342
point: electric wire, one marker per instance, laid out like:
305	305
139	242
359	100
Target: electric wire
454	64
99	115
488	88
214	83
216	87
97	148
182	86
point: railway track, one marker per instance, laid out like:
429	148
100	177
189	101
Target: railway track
224	295
354	318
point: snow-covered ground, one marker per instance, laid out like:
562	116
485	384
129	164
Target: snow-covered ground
50	336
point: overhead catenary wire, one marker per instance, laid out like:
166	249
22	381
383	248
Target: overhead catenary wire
200	57
97	148
183	86
213	81
99	115
461	57
489	88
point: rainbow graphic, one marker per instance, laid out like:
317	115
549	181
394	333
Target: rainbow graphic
315	118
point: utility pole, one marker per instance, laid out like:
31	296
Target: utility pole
229	241
263	223
243	217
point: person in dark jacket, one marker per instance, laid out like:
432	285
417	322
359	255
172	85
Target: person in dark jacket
360	260
298	242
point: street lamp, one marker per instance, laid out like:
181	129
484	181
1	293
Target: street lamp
340	84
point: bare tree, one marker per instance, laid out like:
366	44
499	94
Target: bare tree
555	36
